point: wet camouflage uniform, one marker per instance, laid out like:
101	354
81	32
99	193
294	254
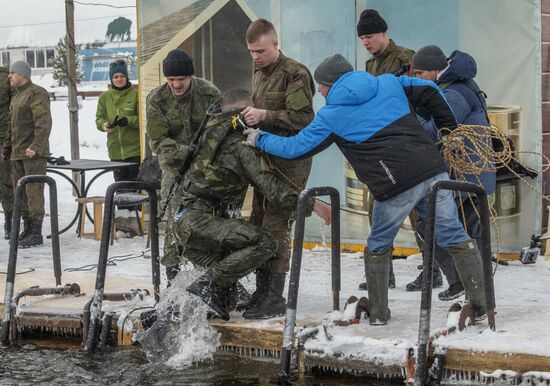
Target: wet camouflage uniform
389	61
29	127
209	226
171	124
5	168
285	89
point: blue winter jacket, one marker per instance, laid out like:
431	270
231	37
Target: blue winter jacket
370	120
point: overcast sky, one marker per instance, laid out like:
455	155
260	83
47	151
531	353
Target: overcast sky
42	21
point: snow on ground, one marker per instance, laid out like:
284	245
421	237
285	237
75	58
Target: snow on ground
522	299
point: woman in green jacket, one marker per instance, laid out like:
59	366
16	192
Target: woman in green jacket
118	115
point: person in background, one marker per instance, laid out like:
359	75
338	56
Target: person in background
27	146
118	115
6	186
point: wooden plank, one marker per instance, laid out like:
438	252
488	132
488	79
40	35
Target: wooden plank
545	6
239	335
348	364
545	22
466	360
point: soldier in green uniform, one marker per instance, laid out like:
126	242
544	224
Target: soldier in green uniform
282	92
6	185
387	57
174	112
27	145
209	226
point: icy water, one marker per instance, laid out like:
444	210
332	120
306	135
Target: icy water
29	364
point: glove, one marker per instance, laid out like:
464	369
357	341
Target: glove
123	121
251	136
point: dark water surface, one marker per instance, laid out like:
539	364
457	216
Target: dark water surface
32	365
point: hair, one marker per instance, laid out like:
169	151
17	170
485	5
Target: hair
232	97
259	28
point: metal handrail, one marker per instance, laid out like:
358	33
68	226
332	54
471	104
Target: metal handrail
294	280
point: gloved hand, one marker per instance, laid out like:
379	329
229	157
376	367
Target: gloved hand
251	135
121	122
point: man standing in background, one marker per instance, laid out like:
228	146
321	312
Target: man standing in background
27	145
174	113
282	92
6	185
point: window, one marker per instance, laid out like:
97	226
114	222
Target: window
5	58
40	58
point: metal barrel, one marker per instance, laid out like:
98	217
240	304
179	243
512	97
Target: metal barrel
421	371
14	244
97	302
294	281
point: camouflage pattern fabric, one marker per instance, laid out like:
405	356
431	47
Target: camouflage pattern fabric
389	61
171	124
285	89
6	186
32	201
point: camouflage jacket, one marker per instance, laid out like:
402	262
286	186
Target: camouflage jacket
389	61
224	167
285	89
30	122
173	120
5	96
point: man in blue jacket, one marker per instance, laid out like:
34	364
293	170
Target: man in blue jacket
370	120
455	76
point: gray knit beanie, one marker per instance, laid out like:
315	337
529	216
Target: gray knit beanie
331	69
22	68
429	58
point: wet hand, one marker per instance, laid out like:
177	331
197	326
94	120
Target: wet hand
251	135
253	116
107	127
323	210
30	153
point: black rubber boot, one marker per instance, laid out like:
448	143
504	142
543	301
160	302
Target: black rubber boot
259	295
416	285
469	266
377	271
7	225
34	239
27	221
274	305
391	281
210	293
171	273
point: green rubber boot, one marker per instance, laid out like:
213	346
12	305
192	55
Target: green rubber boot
377	271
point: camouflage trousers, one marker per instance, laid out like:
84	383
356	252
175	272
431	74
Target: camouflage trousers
230	247
279	222
6	184
171	254
32	200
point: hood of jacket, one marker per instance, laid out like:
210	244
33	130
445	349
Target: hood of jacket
462	66
352	89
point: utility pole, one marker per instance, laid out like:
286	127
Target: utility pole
71	75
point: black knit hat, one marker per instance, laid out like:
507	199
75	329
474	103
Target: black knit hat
429	58
178	63
370	22
331	69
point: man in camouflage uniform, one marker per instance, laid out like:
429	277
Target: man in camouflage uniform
174	112
28	147
6	185
282	95
208	225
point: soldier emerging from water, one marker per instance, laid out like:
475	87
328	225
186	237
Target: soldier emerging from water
208	226
27	146
6	185
174	113
282	93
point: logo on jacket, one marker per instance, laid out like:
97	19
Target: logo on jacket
390	176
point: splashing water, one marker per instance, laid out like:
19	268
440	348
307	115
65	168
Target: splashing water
181	336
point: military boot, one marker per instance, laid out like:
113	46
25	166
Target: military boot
7	225
27	221
416	284
377	271
259	295
274	304
210	293
34	239
468	263
391	281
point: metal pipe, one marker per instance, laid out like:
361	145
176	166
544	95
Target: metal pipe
14	244
105	329
97	302
421	371
294	281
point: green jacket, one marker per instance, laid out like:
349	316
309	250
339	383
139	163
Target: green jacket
5	96
173	120
30	122
285	89
389	61
224	167
122	142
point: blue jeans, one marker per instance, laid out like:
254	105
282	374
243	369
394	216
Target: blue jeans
388	215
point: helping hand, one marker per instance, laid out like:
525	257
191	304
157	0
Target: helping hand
251	135
252	116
